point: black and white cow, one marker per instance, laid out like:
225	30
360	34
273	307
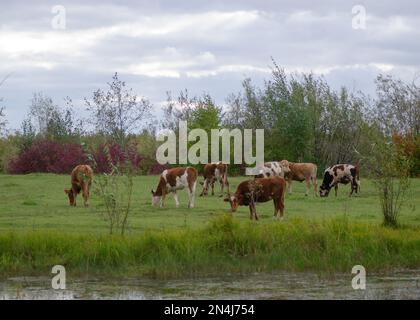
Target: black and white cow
340	173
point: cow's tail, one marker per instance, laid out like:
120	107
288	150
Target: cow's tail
358	170
358	174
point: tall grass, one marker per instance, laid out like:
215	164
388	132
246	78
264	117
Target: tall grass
224	245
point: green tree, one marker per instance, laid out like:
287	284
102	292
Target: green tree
118	111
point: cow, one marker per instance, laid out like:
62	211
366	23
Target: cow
215	171
259	190
340	173
175	179
273	169
81	180
301	172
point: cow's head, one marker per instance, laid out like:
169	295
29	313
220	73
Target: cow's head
70	194
324	190
285	166
327	183
155	198
234	202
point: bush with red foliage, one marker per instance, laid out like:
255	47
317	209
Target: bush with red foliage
157	168
58	157
112	154
48	156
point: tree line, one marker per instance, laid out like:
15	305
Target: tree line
303	117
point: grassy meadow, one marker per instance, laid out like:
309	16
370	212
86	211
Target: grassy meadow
39	229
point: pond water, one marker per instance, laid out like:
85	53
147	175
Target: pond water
279	285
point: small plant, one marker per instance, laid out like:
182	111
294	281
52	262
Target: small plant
115	189
391	175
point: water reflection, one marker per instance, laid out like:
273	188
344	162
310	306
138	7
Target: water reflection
281	285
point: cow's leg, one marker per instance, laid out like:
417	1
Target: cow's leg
308	186
85	190
275	209
175	198
281	207
227	185
336	188
255	212
222	186
212	187
74	194
251	212
289	182
162	200
204	188
191	194
353	187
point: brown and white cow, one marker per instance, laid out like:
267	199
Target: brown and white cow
250	192
81	180
175	179
340	173
215	171
273	169
301	172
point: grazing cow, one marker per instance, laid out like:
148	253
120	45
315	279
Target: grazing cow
259	190
175	179
301	172
81	180
216	171
273	169
340	173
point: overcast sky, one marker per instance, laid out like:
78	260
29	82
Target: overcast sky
205	46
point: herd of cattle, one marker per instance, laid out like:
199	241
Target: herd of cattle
269	184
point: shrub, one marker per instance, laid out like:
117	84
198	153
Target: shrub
8	151
408	146
390	168
157	168
106	156
48	156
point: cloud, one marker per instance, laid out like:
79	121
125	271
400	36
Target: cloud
164	46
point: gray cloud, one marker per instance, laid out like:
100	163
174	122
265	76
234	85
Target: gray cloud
203	46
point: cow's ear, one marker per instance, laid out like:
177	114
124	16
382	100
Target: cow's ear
67	191
153	192
226	199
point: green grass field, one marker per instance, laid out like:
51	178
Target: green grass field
38	202
38	229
